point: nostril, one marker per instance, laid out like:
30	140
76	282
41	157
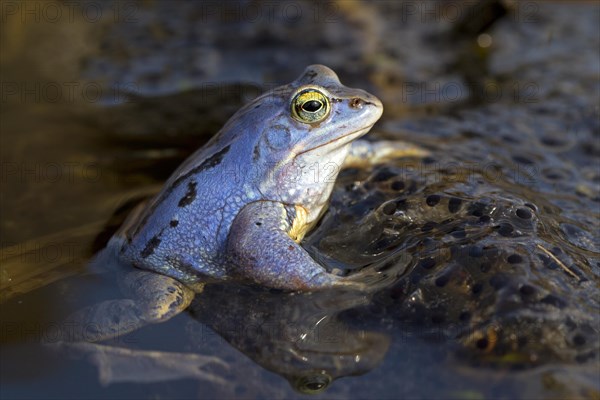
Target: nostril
356	103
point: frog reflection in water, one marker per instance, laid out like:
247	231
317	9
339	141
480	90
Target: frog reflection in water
296	335
238	208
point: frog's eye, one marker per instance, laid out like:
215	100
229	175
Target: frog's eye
310	106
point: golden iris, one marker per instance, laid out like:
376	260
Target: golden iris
310	106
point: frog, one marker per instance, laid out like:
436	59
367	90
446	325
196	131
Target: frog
239	207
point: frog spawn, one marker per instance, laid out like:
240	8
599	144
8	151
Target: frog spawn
486	268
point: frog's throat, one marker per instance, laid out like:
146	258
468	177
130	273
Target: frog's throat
358	132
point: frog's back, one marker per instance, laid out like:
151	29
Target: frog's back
182	232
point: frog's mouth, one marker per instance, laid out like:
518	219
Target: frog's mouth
358	133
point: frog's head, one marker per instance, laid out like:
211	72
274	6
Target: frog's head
306	133
326	115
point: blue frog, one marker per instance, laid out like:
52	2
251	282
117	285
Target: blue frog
239	206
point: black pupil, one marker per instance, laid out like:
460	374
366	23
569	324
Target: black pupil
312	106
315	385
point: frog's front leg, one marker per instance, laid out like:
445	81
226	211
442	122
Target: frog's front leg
364	153
153	298
261	250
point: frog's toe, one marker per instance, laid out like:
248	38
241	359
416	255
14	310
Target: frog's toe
364	153
387	150
365	280
325	280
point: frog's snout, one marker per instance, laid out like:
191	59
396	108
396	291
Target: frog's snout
363	98
368	105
